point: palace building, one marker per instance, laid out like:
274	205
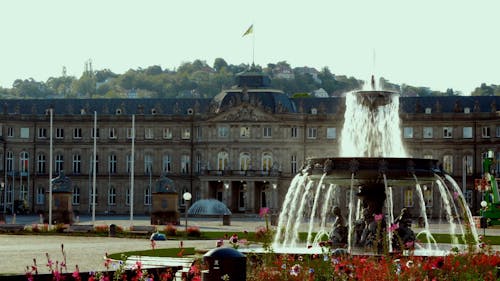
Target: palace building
243	147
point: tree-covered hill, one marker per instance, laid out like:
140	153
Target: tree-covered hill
199	79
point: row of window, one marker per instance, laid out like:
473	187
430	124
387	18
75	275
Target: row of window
223	160
245	160
447	132
267	132
167	133
245	132
112	133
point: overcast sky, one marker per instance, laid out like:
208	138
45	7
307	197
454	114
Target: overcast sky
436	43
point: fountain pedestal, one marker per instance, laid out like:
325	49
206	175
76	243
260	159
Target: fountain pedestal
165	203
164	209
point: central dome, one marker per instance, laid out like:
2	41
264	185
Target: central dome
254	88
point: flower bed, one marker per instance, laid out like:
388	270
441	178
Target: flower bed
458	266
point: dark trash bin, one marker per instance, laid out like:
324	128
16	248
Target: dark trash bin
112	230
226	219
225	261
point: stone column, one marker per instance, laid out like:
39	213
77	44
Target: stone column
203	189
250	197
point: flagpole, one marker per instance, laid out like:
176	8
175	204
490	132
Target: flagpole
248	31
94	165
253	46
132	163
50	169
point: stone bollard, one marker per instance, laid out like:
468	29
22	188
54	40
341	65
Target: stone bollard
226	219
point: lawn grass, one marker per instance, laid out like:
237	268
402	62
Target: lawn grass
166	252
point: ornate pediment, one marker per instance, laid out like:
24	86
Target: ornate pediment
244	113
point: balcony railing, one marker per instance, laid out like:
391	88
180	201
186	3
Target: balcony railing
246	173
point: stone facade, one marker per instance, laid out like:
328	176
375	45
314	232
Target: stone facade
243	147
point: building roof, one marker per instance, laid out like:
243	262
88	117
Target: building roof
271	100
449	104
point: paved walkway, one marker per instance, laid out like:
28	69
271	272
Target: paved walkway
18	251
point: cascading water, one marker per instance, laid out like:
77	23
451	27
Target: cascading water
373	164
423	215
371	132
467	211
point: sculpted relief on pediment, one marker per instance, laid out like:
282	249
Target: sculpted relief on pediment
244	113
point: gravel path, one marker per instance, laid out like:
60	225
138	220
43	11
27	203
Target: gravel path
18	251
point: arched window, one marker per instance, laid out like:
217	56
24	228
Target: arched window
59	163
24	163
77	164
267	161
10	161
185	164
75	198
222	160
147	195
245	161
148	164
127	196
40	195
112	163
112	195
167	164
448	163
41	164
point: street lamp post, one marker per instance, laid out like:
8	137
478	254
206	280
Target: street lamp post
187	197
484	221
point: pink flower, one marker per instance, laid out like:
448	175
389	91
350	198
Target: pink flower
76	274
409	244
263	212
393	227
138	265
455	195
379	217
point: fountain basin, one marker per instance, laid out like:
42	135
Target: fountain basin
372	169
373	99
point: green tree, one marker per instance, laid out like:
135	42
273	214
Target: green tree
60	86
154	70
219	64
484	90
85	86
29	88
103	75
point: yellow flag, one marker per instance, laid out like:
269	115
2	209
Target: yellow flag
249	30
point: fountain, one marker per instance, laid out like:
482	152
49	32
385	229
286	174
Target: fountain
208	207
360	185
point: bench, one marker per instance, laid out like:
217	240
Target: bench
82	228
159	262
142	229
11	227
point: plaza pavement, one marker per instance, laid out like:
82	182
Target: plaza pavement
18	251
